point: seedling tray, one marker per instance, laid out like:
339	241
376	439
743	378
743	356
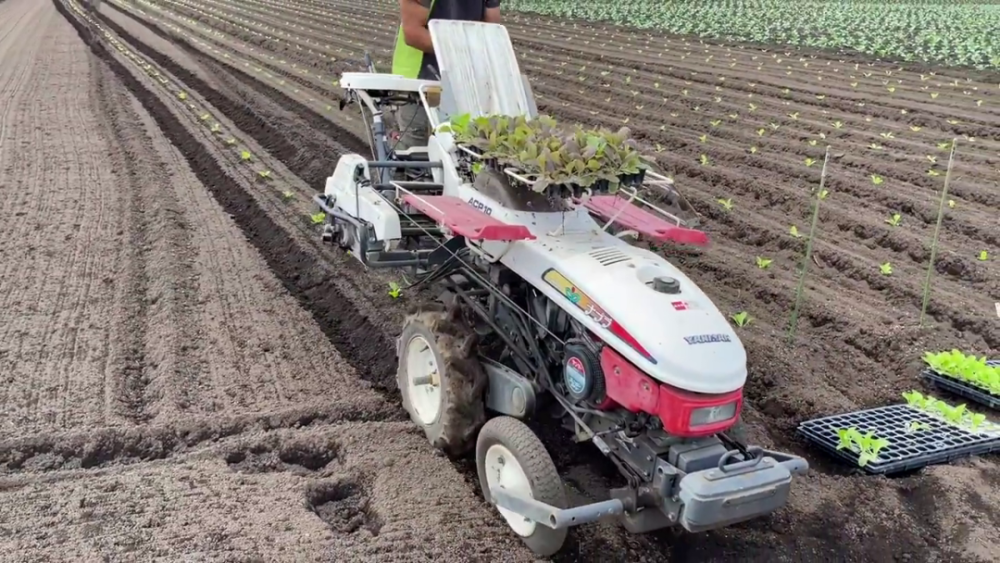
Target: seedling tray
963	389
939	442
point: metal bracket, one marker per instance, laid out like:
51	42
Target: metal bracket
556	518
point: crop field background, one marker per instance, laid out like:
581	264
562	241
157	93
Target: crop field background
190	374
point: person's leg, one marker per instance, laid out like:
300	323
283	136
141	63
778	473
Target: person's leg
414	131
414	127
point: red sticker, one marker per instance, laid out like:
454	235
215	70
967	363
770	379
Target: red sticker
680	305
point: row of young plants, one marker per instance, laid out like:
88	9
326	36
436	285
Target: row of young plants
885	268
894	219
948	33
395	290
867	445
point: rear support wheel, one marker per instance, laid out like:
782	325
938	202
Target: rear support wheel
441	381
509	456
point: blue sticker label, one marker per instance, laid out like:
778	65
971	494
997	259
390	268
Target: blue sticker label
707	338
575	375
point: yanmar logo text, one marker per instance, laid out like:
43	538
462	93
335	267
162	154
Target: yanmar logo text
707	338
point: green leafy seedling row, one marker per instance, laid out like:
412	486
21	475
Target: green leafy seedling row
967	368
959	416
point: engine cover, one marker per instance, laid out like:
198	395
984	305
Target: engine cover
582	373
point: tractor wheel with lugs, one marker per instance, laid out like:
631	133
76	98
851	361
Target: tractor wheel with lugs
440	378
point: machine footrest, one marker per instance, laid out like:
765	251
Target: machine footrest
464	220
633	217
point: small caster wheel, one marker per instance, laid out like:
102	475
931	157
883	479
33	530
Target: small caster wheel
509	456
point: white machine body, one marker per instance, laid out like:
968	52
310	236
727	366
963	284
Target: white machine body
690	344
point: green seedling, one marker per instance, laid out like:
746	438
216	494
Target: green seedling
182	95
916	426
794	231
230	141
703	138
895	220
967	368
823	193
951	204
753	150
742	319
265	174
216	128
810	161
246	156
394	290
703	159
957	416
287	195
726	204
867	446
318	218
886	269
983	256
763	263
204	117
876	179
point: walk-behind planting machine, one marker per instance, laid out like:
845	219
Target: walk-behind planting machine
541	308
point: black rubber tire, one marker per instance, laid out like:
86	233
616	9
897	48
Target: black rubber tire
546	485
463	381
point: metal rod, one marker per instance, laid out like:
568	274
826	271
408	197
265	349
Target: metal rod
416	165
937	230
809	247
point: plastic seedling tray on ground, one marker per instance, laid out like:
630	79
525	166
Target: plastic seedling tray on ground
935	442
964	389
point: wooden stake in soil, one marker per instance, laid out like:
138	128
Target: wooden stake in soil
809	249
937	230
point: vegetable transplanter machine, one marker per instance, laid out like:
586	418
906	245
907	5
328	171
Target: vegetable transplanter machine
540	312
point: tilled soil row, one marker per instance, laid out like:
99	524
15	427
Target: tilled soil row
756	536
301	272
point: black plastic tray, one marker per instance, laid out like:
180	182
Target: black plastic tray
963	389
941	442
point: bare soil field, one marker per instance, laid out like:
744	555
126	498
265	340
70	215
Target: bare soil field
166	396
191	375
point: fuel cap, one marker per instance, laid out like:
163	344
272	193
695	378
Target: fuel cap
663	284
